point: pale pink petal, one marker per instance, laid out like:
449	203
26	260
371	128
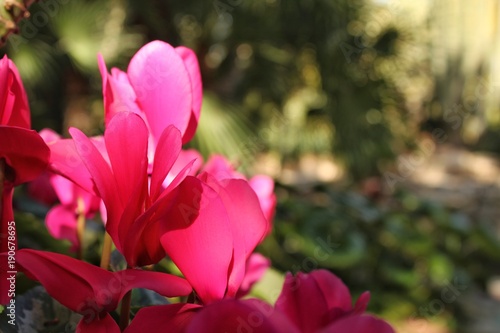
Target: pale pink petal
220	168
64	189
65	161
162	86
49	136
197	236
185	156
61	223
255	268
264	188
118	94
193	69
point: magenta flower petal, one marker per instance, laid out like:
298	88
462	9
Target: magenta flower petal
162	86
101	174
193	69
248	224
106	324
118	94
256	266
14	108
264	188
164	284
25	153
126	140
232	315
197	236
61	223
309	299
167	150
358	324
186	156
172	318
66	161
82	281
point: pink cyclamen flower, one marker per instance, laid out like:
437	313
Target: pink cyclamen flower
162	85
118	173
23	154
309	303
90	290
61	220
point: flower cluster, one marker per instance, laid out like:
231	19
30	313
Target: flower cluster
157	200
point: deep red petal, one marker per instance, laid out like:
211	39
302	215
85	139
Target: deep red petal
358	324
106	324
232	315
24	151
310	299
164	284
172	318
82	287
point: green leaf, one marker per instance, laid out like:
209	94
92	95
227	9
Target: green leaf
36	311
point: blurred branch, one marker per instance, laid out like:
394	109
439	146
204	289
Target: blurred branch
11	13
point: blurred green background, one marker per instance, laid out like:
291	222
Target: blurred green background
378	119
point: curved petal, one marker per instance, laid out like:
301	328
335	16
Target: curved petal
162	86
65	161
197	236
143	246
118	94
61	223
193	68
186	156
164	284
248	224
358	324
106	324
102	177
126	139
232	315
24	151
308	299
220	168
14	110
264	188
256	266
167	151
82	287
172	318
64	189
